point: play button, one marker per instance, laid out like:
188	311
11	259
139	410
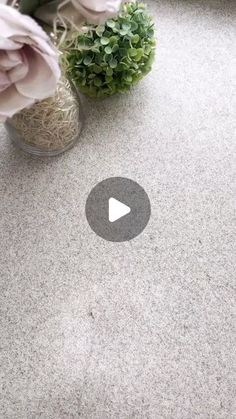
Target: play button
118	209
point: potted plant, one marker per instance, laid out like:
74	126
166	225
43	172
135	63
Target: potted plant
37	105
113	57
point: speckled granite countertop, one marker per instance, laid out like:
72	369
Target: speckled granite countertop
144	329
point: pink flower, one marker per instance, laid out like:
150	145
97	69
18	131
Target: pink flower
29	69
97	11
76	11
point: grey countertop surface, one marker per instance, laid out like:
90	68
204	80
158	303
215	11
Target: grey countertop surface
144	329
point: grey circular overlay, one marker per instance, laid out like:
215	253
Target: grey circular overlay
118	209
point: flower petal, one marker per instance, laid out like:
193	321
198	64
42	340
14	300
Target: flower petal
4	81
5	63
8	44
13	23
44	46
42	77
97	11
15	57
100	6
13	102
20	71
10	59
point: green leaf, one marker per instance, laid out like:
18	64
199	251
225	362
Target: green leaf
132	52
111	24
106	58
113	63
109	79
129	79
97	82
108	50
123	32
134	26
107	34
113	40
150	33
78	61
104	40
151	59
126	26
135	39
99	30
147	49
139	55
115	48
109	71
138	11
97	69
117	27
87	60
123	52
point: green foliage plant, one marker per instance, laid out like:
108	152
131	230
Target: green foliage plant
113	57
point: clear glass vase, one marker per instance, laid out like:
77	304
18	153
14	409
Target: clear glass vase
49	127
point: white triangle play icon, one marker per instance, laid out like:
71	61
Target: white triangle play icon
117	210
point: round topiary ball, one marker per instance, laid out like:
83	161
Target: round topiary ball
113	57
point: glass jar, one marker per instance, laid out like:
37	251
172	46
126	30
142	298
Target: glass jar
49	127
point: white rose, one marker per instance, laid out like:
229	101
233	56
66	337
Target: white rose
29	69
76	11
97	11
